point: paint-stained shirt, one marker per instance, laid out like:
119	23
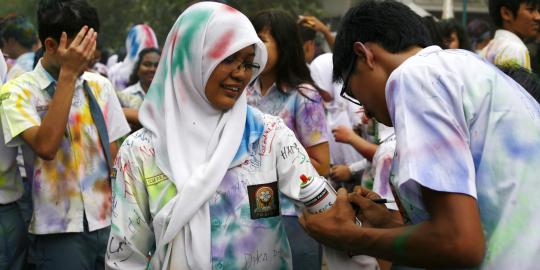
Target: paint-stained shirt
507	48
301	109
474	133
75	183
24	63
132	97
246	227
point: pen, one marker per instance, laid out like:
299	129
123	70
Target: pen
381	201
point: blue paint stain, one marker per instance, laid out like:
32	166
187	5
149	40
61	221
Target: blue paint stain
252	132
132	37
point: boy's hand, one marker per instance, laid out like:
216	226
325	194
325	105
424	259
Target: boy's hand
76	56
343	134
340	173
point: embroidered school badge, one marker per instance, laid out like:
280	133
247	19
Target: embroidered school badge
263	200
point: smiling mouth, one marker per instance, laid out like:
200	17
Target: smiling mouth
232	88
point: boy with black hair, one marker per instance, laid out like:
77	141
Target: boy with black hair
18	38
465	171
71	119
516	21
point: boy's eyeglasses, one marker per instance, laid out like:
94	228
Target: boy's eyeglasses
346	90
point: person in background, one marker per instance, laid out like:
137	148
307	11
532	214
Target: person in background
480	34
454	128
286	89
18	39
308	39
434	30
315	24
139	37
515	20
528	80
197	187
71	120
140	79
13	233
454	35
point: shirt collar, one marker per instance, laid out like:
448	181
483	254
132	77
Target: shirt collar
45	79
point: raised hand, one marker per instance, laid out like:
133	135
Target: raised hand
76	56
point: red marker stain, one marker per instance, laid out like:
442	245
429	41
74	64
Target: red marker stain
229	8
149	42
222	45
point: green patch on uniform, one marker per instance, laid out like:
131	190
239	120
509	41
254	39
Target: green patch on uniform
4	96
154	180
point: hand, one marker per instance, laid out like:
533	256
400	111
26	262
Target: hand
76	57
333	227
313	23
340	173
343	134
372	214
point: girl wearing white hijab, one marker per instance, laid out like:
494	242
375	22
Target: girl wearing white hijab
197	187
139	37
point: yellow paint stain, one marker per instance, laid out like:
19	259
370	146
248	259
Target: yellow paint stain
19	105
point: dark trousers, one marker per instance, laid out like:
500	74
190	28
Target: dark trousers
306	252
81	251
13	238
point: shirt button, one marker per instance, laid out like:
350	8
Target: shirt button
219	265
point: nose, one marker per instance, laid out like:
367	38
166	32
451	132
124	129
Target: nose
536	15
239	73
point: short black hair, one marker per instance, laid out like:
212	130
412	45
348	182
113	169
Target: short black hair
20	29
434	31
512	5
134	78
390	24
528	80
450	26
291	68
57	16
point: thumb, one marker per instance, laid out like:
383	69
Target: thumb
359	200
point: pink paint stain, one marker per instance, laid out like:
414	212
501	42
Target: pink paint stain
150	42
222	45
230	9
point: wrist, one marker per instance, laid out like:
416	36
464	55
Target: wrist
68	75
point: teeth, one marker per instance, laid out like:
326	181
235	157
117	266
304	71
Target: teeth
236	89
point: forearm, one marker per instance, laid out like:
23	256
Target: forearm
322	169
421	245
330	39
365	148
132	115
51	131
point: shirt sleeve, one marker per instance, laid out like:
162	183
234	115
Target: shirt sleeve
426	107
311	123
131	238
117	125
17	111
293	163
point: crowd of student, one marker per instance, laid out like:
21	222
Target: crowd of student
188	155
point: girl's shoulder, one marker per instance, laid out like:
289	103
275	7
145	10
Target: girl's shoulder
308	91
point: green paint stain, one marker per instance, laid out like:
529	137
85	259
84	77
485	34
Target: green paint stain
193	23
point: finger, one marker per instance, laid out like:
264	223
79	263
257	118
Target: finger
359	200
63	41
303	219
87	39
91	48
79	37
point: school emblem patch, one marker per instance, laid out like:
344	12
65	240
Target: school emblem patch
263	200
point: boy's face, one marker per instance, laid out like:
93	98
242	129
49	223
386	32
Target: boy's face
367	84
525	23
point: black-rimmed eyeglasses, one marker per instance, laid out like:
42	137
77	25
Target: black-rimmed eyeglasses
346	90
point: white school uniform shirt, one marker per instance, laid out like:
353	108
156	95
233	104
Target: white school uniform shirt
506	47
474	133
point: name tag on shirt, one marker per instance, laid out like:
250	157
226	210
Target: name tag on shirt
263	200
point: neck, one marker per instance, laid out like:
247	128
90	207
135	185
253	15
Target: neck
18	51
53	70
508	27
394	60
145	86
266	80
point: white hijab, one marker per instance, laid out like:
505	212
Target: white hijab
194	143
139	37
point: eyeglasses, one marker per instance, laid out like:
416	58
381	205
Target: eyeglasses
234	64
346	90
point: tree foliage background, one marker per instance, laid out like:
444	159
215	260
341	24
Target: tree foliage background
117	16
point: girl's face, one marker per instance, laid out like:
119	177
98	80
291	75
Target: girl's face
452	42
230	78
271	49
147	68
